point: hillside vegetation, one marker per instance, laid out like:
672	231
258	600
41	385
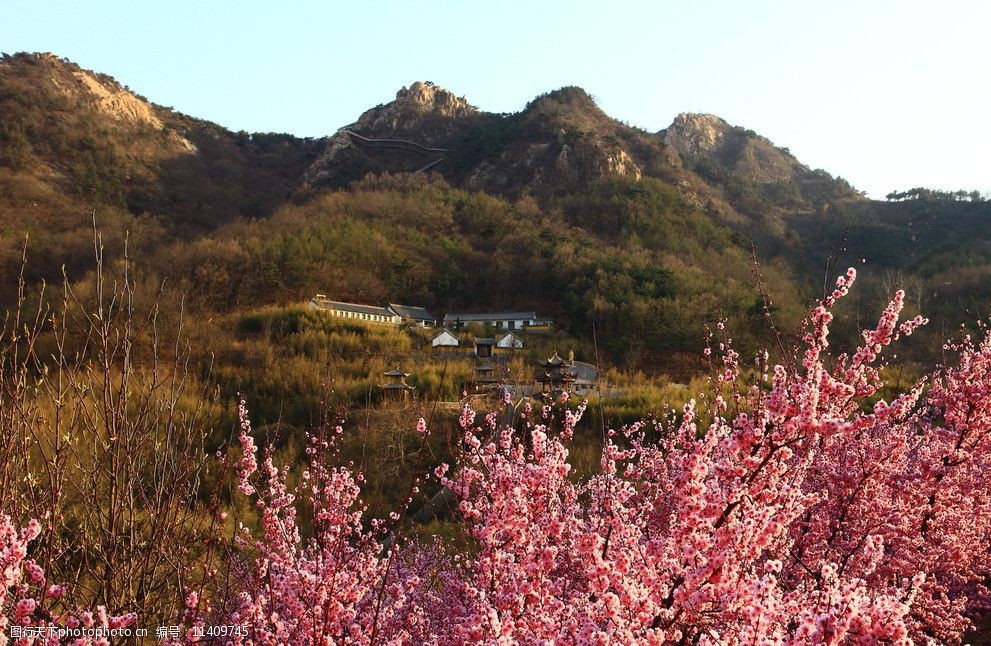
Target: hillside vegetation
630	240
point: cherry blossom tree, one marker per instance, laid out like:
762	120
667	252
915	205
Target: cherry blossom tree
27	600
807	509
797	503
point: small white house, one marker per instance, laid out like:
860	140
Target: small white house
509	341
445	339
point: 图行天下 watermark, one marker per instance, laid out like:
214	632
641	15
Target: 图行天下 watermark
98	632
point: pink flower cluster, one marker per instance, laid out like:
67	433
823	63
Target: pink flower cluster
249	460
815	513
25	601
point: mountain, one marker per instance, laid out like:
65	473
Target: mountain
563	140
411	133
82	135
623	235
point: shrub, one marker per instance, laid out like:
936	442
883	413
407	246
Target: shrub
808	511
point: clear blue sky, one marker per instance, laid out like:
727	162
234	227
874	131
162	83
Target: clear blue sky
887	94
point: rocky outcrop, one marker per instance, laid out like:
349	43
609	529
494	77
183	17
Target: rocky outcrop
724	154
695	134
423	114
706	136
563	163
412	104
110	99
118	103
423	111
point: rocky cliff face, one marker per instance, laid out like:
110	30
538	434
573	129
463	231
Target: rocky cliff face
749	167
695	134
108	97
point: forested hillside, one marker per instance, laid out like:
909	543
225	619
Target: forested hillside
632	237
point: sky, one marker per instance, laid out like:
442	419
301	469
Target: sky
888	95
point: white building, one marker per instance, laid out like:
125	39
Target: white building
355	311
509	341
498	320
414	315
445	340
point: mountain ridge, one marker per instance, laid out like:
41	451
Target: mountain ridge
560	140
563	139
428	199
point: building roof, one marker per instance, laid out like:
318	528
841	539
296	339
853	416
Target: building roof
328	304
509	340
412	312
585	371
489	316
484	340
554	361
443	332
396	373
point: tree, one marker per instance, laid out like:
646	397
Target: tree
102	455
806	510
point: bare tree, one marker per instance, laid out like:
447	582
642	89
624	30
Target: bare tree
102	438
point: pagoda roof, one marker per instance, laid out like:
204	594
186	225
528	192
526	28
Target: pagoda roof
555	361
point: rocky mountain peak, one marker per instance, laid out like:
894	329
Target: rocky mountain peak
695	134
424	96
420	100
569	95
571	107
422	116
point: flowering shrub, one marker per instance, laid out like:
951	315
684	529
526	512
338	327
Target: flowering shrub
27	601
809	510
805	509
347	582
